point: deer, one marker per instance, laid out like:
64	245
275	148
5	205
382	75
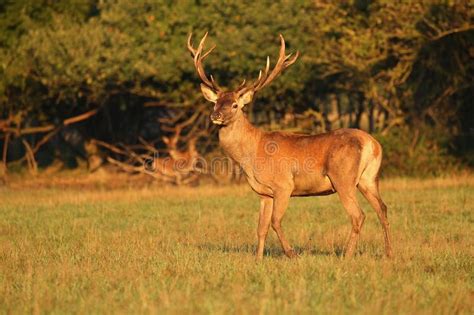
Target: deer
180	167
181	163
187	156
279	165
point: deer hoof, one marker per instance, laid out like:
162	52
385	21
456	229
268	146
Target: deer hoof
291	254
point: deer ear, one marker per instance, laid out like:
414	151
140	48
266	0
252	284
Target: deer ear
245	98
208	93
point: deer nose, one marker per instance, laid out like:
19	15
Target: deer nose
216	116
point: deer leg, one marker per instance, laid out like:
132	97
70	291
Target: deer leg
280	203
350	203
266	209
371	193
178	179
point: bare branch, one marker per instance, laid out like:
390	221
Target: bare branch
46	128
30	157
108	146
80	117
5	149
139	169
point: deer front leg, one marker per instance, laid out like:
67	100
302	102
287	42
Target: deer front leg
280	203
266	209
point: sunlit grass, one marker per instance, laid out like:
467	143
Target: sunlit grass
155	250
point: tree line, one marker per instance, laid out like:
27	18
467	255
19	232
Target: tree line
77	74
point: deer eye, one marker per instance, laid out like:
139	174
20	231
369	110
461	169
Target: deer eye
234	105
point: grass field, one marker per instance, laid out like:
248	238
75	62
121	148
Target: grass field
191	250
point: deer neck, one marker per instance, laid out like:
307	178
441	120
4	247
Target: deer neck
239	139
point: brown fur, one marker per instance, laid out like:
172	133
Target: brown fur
340	161
281	165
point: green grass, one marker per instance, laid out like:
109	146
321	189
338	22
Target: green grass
191	250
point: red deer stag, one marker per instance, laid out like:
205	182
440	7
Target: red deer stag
281	165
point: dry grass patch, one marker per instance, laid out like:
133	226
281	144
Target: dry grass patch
191	250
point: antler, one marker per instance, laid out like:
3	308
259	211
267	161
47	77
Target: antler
198	57
264	78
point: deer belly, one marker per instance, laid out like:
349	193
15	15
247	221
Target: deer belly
312	185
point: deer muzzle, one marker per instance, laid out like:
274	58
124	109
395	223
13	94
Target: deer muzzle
217	118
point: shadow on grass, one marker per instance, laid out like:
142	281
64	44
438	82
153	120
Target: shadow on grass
271	251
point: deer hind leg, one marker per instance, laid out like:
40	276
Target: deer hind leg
280	203
343	166
348	197
266	209
370	189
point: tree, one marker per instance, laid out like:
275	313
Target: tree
363	64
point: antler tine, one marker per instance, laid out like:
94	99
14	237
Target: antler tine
177	131
214	83
190	45
283	62
201	46
241	87
198	57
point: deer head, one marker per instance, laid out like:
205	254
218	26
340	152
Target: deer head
190	154
228	105
172	141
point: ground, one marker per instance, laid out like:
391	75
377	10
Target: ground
191	250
